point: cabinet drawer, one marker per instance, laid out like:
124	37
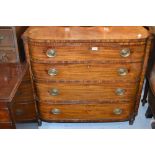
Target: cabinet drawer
24	111
82	112
72	91
25	92
4	115
8	55
6	125
6	37
93	72
86	53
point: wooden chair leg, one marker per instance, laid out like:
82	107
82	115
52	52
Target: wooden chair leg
146	89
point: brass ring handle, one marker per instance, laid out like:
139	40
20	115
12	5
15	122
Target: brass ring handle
55	111
19	112
52	72
122	71
119	91
125	52
51	53
117	111
54	92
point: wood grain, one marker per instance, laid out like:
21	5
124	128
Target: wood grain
83	53
73	91
84	72
80	112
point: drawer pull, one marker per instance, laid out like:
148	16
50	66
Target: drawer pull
120	91
52	72
54	92
55	111
122	71
117	111
19	112
51	53
125	52
94	49
1	37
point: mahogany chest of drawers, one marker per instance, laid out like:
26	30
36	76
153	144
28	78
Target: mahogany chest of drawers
87	74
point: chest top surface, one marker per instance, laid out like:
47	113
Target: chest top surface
10	78
87	33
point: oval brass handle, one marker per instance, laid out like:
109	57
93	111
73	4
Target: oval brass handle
1	37
120	91
55	111
19	112
54	92
125	52
122	71
51	53
52	72
117	111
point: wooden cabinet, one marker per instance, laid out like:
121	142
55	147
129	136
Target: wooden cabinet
87	74
11	45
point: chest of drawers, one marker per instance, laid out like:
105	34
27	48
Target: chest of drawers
87	74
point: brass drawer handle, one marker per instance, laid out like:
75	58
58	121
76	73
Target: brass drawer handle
122	71
51	53
54	92
56	111
52	72
117	111
19	112
120	91
94	49
125	52
1	37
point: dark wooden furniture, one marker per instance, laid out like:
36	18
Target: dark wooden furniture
87	74
11	76
11	45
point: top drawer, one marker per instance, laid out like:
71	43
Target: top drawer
6	37
73	53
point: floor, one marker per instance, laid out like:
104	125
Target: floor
140	123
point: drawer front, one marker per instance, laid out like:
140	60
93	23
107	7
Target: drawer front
6	37
4	115
6	126
93	72
82	112
7	55
24	112
86	53
71	91
25	92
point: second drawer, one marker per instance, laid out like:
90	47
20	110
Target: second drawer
107	72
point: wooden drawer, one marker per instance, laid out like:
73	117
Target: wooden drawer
8	55
84	112
84	53
24	111
71	91
86	72
6	125
6	37
4	115
25	92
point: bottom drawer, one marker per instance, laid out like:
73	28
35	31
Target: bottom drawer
84	112
4	115
6	126
24	112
